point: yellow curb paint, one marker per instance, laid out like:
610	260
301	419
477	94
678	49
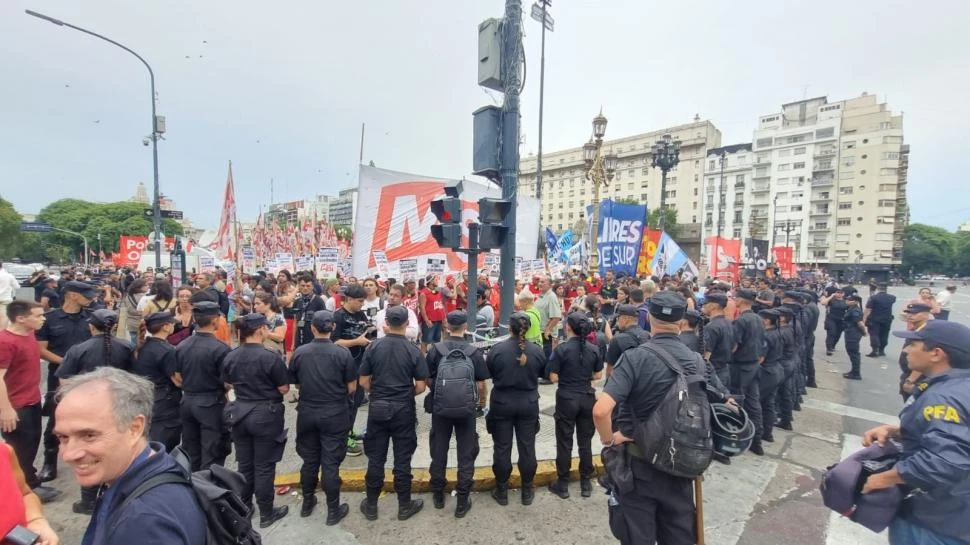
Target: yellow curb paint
484	479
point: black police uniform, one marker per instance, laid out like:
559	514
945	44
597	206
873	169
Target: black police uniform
786	390
692	340
834	324
575	361
770	377
393	363
719	341
880	320
624	340
322	370
256	373
304	306
813	317
156	361
749	334
798	329
199	360
514	407
61	331
466	435
660	505
853	336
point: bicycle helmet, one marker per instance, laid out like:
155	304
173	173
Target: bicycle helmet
733	431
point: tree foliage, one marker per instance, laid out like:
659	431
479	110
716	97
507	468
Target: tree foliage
934	250
670	221
9	230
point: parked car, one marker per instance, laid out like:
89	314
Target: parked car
21	272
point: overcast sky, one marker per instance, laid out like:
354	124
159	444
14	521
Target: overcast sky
282	88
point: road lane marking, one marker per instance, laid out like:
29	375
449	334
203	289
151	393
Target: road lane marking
846	410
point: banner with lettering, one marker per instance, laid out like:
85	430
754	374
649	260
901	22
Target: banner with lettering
394	216
619	236
648	251
784	260
724	257
755	257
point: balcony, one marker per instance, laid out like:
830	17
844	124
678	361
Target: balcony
819	198
825	152
826	167
739	203
760	187
817	229
821	212
818	244
823	181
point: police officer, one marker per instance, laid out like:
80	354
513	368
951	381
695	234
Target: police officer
442	426
352	329
749	333
305	304
810	304
792	301
63	328
515	365
835	306
260	379
855	328
629	335
879	317
771	373
393	371
101	349
916	315
325	374
658	505
572	366
198	364
935	439
718	337
689	325
156	361
786	390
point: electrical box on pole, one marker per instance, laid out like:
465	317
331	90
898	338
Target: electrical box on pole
490	54
486	127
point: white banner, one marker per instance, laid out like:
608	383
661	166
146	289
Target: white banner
207	264
394	216
284	260
304	263
409	269
328	260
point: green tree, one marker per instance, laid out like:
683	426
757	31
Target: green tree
928	249
9	229
670	220
961	254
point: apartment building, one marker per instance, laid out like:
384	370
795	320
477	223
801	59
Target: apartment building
566	192
826	178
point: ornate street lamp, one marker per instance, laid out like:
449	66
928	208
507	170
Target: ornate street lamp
600	170
666	155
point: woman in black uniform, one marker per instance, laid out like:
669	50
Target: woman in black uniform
515	366
259	378
573	365
156	361
102	349
771	373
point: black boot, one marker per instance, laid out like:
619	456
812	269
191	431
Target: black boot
722	458
409	509
872	354
464	506
783	425
811	383
528	494
267	519
438	498
501	493
558	487
49	471
757	449
369	508
336	511
83	507
309	502
852	376
768	438
586	487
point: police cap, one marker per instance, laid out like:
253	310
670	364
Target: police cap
718	299
668	306
952	337
749	295
253	320
627	310
158	318
578	322
205	308
396	316
770	314
82	288
914	308
322	321
457	318
792	294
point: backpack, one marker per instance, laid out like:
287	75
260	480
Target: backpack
218	491
455	391
676	437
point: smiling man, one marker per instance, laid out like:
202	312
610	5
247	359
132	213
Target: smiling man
102	428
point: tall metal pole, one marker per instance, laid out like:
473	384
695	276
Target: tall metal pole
720	216
774	219
471	294
361	160
156	208
542	91
509	156
663	198
598	176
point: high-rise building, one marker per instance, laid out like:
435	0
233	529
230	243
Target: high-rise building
343	209
826	178
566	193
964	227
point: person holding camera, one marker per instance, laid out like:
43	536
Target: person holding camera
352	329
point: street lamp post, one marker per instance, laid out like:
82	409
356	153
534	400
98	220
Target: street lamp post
599	170
541	14
666	155
156	130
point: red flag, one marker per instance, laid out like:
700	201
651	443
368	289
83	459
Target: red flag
724	256
226	236
783	258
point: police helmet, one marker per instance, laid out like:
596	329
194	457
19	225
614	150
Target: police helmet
733	431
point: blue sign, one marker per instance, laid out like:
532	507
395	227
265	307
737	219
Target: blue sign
619	236
551	242
35	227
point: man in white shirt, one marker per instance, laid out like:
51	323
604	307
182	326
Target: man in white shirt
8	289
945	299
395	297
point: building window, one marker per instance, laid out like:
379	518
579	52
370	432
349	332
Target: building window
737	232
887	187
845	206
797	194
784	153
695	191
849	144
784	166
710	165
739	179
827	132
695	205
737	216
845	190
763	143
884	237
887	172
645	171
848	161
629	186
798	165
799	151
796	208
782	181
643	197
887	203
818	254
844	222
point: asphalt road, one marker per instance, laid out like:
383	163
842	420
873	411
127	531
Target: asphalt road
755	501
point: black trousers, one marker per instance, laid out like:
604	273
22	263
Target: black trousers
574	411
659	509
833	331
786	395
385	425
516	416
259	440
879	336
50	440
770	378
321	441
744	382
810	357
25	441
466	437
855	356
943	315
355	400
204	435
167	432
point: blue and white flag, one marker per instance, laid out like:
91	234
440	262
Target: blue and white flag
619	236
670	257
552	243
564	244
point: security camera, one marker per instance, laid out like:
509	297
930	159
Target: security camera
145	142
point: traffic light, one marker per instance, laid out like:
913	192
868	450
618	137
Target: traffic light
447	233
491	216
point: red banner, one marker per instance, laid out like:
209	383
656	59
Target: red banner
783	259
648	250
724	256
132	246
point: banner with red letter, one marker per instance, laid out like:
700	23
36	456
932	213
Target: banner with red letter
783	259
132	246
725	255
394	216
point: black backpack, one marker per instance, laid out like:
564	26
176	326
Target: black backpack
676	437
218	491
455	390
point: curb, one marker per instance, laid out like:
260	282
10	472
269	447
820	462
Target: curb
484	479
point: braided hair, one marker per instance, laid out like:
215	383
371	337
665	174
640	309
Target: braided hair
519	324
105	326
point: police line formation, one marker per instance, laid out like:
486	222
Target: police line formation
664	364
